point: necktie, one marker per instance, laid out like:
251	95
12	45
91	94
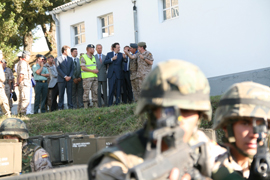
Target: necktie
75	66
66	61
100	59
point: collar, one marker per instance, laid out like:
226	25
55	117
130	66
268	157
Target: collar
64	56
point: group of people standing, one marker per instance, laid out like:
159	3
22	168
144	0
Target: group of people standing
51	77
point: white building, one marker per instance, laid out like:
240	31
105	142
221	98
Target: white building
222	37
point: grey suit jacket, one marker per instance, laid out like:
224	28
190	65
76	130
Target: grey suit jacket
102	75
77	72
64	69
53	75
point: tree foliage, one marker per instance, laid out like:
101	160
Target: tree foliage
19	18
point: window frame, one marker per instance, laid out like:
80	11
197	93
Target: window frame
80	34
106	17
169	8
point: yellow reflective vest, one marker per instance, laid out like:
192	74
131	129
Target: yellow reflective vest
90	64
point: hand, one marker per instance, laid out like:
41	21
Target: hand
124	56
114	58
79	79
67	78
141	56
126	52
95	71
174	175
41	64
75	81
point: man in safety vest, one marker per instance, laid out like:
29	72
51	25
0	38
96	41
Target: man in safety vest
89	76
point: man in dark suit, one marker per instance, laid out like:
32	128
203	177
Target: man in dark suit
77	87
127	89
115	72
64	65
102	75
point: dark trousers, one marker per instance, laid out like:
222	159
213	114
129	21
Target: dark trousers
127	89
104	89
54	94
41	90
114	83
62	86
77	95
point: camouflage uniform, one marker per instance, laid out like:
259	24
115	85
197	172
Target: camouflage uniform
143	69
49	94
3	98
183	87
34	157
9	77
134	79
241	100
90	84
24	86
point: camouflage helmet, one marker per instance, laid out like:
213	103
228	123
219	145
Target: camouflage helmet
176	83
14	126
246	99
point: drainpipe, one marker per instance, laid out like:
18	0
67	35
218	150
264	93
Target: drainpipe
57	24
135	21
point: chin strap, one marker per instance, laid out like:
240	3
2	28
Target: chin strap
231	140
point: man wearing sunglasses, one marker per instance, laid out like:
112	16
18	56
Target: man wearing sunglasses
41	89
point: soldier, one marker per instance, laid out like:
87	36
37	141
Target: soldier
133	72
144	63
34	157
24	82
9	81
183	87
238	107
89	76
3	98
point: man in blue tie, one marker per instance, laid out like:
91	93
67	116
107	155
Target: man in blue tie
127	89
115	72
64	65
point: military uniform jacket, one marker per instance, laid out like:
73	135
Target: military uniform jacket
34	158
9	76
142	67
133	68
2	77
226	168
24	68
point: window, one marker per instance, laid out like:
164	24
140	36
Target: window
79	31
107	25
170	9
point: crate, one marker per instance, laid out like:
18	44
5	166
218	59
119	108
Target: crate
104	142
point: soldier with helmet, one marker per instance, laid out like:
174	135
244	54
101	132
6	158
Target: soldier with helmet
34	157
240	106
184	88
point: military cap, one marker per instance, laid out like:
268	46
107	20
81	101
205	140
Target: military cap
4	61
134	45
141	44
90	46
26	53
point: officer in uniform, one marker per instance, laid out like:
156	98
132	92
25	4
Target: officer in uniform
89	76
49	94
183	87
133	72
144	63
3	98
34	157
24	82
9	81
240	105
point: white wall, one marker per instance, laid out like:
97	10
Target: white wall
220	36
89	13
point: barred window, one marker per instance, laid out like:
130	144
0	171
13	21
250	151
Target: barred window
107	26
170	9
79	33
